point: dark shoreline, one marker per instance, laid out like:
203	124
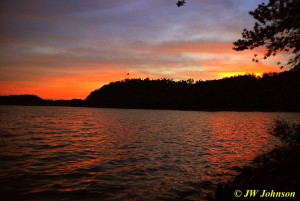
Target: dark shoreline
276	171
171	109
203	110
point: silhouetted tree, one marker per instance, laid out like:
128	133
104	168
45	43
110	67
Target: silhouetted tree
180	3
272	91
277	29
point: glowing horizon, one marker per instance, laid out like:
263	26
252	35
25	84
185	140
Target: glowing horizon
65	50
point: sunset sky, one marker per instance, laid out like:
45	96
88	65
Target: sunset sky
63	49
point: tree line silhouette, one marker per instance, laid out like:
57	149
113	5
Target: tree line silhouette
269	92
34	100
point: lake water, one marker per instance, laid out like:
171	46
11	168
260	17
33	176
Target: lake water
65	153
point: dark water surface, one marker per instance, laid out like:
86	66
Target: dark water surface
64	153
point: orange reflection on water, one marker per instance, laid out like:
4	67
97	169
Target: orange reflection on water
235	141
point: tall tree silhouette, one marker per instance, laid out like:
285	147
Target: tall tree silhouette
276	28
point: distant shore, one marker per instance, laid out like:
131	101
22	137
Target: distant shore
66	103
269	92
34	100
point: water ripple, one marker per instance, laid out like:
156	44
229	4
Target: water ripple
60	153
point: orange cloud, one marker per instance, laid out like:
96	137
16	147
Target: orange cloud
76	72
